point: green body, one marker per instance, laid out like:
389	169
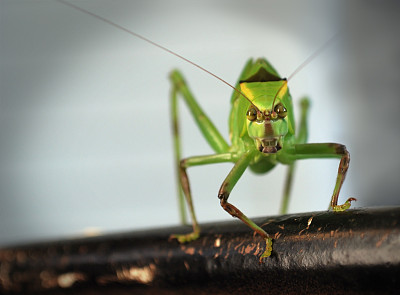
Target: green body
262	134
241	131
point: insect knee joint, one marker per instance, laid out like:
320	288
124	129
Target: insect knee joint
223	193
344	162
232	210
223	196
341	149
183	164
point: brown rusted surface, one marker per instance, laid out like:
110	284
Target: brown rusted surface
352	252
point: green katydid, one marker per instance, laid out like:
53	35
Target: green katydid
262	134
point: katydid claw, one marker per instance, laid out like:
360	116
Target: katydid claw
268	249
345	206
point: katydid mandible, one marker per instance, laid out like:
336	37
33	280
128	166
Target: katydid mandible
262	134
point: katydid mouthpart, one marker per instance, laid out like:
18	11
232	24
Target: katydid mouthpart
261	132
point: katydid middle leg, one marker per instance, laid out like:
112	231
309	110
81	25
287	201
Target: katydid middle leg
225	190
184	182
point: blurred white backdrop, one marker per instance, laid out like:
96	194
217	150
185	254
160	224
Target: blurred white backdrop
85	138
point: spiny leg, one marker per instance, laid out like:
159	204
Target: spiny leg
327	150
184	182
213	137
224	192
301	138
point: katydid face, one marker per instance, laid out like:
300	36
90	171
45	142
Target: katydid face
266	124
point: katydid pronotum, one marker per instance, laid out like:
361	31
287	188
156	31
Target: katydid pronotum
262	134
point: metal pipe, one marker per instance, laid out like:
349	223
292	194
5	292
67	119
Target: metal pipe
353	252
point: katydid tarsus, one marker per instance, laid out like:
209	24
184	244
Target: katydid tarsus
261	130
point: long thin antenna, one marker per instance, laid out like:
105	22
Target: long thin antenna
312	56
304	63
153	43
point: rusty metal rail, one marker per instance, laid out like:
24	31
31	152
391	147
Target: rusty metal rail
354	252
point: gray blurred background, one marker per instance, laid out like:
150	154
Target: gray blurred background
85	140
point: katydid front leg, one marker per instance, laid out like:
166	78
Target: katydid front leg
325	150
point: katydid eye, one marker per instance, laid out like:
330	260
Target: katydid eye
251	114
280	110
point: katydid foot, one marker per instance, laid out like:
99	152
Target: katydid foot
343	207
268	249
186	238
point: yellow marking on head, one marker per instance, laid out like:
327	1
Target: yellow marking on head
283	89
246	91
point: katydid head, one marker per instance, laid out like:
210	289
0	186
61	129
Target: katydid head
268	129
265	125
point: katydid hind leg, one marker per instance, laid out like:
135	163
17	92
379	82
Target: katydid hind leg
287	189
301	137
207	128
177	154
213	137
302	133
